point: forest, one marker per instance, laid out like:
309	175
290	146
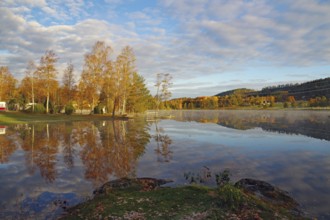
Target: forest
104	86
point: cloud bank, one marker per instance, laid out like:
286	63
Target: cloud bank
218	40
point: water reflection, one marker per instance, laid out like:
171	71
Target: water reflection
105	148
47	159
44	163
112	149
163	151
312	124
7	144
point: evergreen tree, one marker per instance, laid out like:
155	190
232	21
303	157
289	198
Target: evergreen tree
139	96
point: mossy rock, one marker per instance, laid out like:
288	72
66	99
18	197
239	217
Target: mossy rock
143	184
269	193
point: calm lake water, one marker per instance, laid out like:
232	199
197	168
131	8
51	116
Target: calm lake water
45	167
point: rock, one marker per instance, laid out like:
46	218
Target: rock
144	184
152	183
269	193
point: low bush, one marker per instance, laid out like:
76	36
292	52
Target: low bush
38	108
69	109
223	177
231	197
99	109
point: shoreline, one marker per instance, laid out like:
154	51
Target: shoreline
12	117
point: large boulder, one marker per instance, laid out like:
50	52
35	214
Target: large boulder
269	193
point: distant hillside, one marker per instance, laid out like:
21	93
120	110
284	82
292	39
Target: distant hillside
240	91
311	89
314	93
302	91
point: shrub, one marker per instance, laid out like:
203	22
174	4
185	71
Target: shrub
223	177
69	109
99	109
38	108
231	197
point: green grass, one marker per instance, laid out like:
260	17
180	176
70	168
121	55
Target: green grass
20	117
188	202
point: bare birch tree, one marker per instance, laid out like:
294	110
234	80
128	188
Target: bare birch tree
30	73
68	83
163	85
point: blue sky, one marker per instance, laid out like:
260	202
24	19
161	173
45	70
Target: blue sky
208	46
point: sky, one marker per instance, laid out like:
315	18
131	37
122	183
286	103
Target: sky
208	46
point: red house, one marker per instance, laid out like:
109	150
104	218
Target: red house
3	106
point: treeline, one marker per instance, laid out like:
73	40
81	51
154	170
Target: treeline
235	91
310	94
303	91
105	85
215	102
240	98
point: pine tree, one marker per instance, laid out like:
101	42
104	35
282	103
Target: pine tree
139	96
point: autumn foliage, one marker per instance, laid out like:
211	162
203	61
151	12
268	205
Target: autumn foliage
110	84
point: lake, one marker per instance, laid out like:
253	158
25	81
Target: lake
44	168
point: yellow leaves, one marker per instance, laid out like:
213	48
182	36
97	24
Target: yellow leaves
7	83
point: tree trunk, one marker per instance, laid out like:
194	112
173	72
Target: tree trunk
124	106
92	105
47	102
114	107
32	95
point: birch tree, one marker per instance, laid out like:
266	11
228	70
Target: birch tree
163	85
68	83
47	73
126	65
7	84
96	64
30	73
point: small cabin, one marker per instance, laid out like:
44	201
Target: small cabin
2	129
3	106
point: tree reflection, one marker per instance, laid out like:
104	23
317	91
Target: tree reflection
41	142
106	148
308	123
112	148
93	155
164	154
68	144
7	145
28	144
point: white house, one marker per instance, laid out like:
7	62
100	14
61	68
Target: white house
2	129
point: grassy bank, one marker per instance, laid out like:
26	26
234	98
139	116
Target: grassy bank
20	117
187	202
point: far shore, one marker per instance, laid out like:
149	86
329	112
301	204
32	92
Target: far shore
12	117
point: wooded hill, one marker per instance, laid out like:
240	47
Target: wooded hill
309	94
302	91
236	91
